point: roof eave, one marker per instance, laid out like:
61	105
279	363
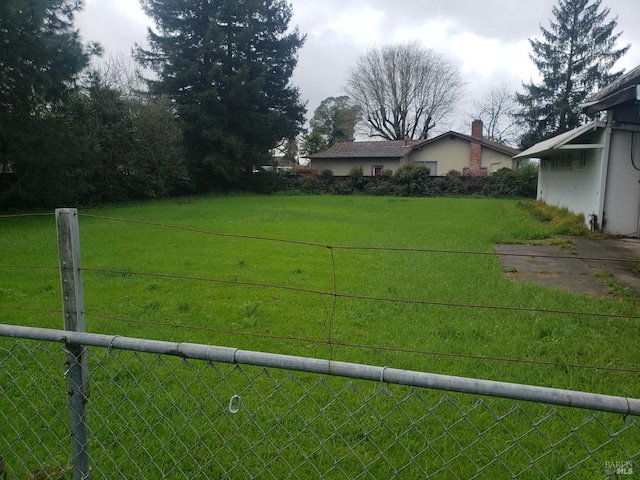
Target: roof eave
625	80
625	97
556	143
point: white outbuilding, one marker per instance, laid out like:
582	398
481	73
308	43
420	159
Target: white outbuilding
594	169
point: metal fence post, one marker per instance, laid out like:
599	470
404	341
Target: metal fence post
76	359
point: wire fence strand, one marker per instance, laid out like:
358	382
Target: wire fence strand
163	413
335	294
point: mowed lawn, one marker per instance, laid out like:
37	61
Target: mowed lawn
260	273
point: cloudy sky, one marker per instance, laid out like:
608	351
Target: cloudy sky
486	39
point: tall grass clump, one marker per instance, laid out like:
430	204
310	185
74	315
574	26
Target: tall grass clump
560	220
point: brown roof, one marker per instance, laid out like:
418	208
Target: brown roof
630	78
623	92
399	149
375	149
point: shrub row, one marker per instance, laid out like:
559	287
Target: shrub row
408	181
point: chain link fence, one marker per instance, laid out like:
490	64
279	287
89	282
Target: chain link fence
160	416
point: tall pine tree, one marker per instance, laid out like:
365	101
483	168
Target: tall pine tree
575	58
41	53
227	66
40	60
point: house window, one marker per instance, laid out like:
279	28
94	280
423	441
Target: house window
561	162
544	164
582	161
432	166
376	170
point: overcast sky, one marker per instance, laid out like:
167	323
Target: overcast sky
486	39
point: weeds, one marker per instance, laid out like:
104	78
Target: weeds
561	220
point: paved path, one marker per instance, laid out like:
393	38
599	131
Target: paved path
574	269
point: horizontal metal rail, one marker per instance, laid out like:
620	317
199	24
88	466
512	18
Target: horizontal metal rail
515	391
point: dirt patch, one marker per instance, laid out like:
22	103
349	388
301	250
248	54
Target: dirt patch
576	269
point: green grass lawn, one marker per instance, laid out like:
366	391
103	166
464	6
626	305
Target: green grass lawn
276	296
245	316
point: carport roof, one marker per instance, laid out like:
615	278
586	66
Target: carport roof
561	142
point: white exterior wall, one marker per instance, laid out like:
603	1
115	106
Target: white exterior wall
576	187
622	201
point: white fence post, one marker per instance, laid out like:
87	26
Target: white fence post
76	359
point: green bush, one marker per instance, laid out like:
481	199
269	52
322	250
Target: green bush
415	181
356	178
412	180
356	172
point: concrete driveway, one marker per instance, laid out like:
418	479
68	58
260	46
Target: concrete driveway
575	269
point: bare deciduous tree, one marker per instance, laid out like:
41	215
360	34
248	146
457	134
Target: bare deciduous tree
404	90
496	109
118	72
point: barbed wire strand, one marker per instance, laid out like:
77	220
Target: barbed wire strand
366	347
19	215
35	267
335	301
355	247
337	294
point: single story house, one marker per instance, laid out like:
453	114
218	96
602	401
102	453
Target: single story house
468	154
594	169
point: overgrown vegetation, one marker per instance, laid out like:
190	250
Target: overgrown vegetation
561	220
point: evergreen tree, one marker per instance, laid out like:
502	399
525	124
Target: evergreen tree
313	142
335	120
290	151
41	53
40	60
227	65
575	58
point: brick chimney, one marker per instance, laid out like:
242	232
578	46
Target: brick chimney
475	152
476	129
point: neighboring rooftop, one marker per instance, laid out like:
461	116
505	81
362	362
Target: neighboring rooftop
371	149
400	148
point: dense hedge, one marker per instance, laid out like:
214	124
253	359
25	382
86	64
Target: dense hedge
408	181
